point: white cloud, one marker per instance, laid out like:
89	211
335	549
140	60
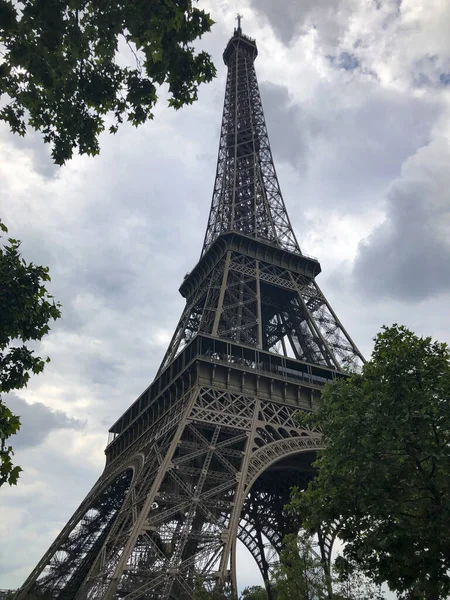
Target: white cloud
407	256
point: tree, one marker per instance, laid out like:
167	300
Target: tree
62	72
384	475
202	592
299	574
208	591
355	586
25	311
255	592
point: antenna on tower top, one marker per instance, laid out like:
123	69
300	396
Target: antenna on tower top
238	18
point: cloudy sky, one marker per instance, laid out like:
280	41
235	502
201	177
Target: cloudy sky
357	100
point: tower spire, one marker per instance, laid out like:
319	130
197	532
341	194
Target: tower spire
238	18
246	196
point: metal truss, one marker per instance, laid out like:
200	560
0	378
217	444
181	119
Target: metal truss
209	452
177	520
247	196
266	306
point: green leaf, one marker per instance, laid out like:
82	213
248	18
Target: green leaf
384	476
26	309
61	72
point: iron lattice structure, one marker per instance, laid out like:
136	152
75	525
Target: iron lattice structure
247	196
207	454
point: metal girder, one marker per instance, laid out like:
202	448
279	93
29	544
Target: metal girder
247	196
241	295
153	537
255	303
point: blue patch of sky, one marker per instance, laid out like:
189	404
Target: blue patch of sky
422	80
345	60
428	72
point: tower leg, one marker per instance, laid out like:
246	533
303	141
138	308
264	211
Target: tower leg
205	465
64	566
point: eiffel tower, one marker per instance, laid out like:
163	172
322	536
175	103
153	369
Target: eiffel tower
207	454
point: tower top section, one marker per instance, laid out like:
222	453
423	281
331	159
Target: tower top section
246	197
245	44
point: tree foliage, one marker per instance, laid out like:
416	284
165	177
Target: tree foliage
26	309
254	592
299	573
9	425
209	591
62	72
384	476
355	586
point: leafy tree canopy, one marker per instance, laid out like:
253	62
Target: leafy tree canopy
299	573
212	591
25	311
384	476
62	72
254	592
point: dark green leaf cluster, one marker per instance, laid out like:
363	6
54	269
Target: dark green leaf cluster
384	477
9	425
62	72
25	311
